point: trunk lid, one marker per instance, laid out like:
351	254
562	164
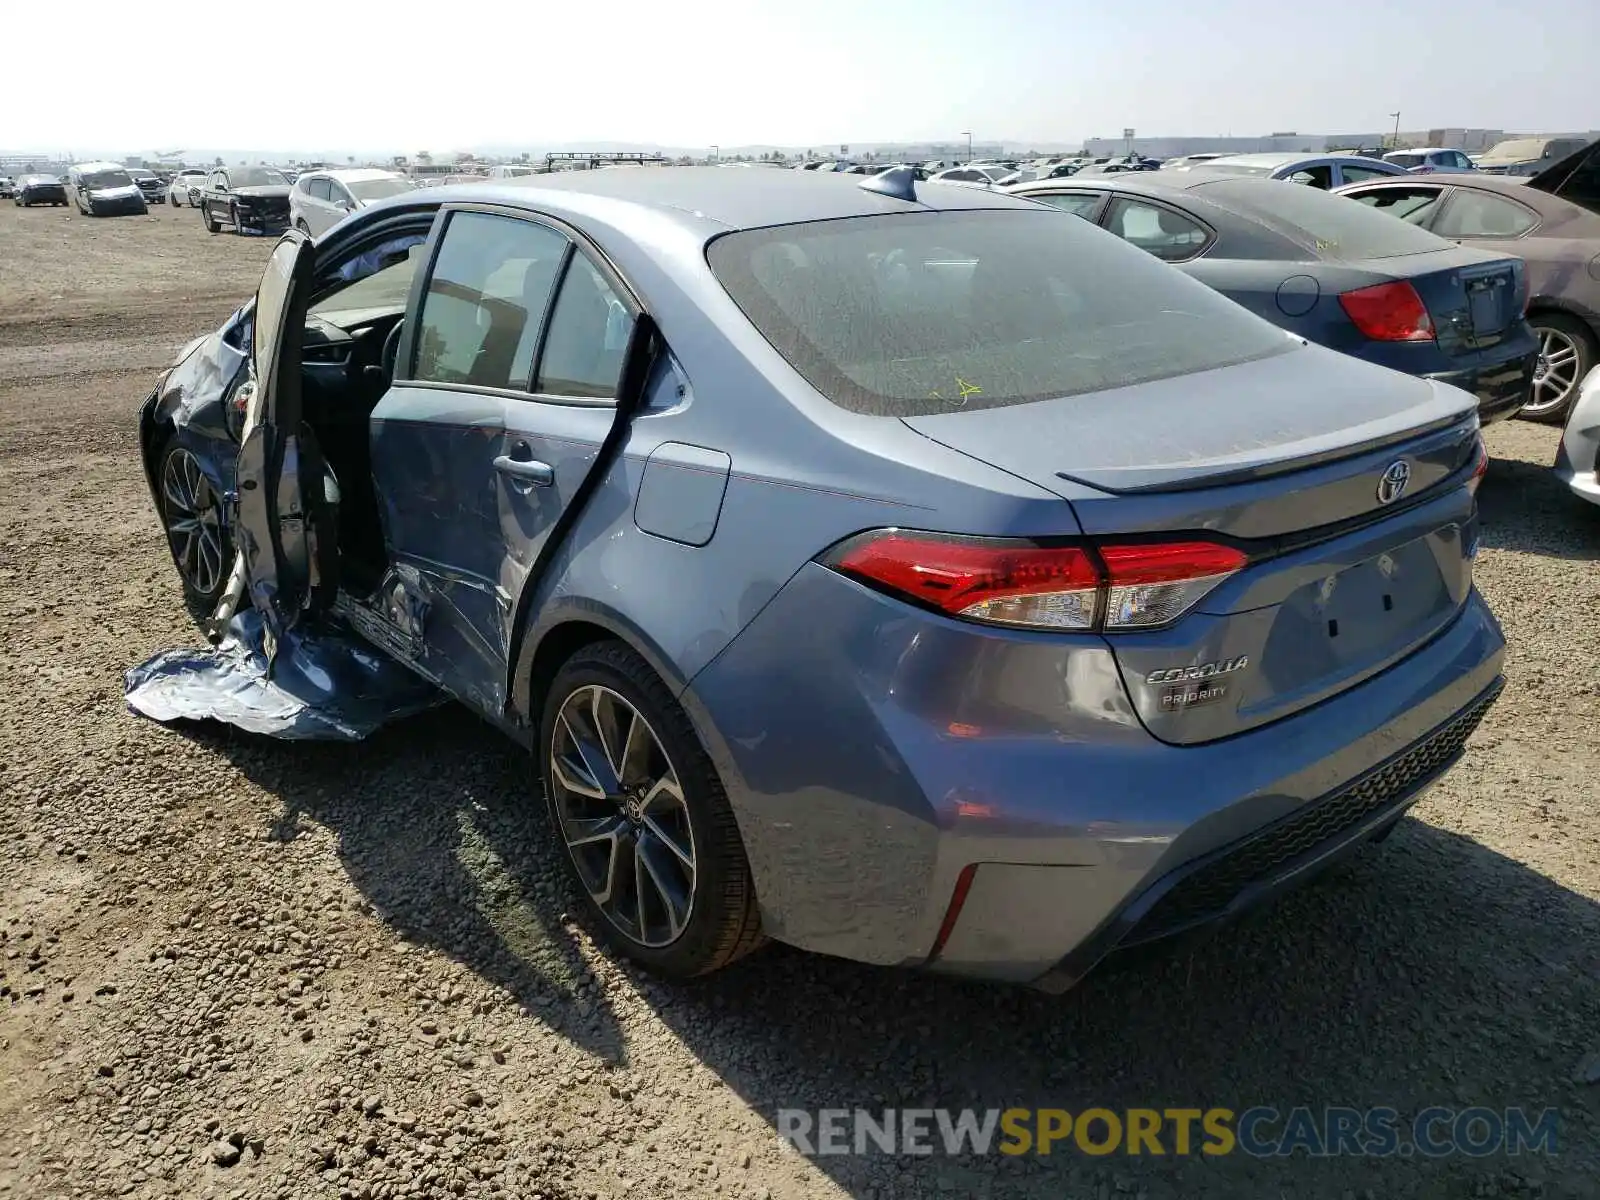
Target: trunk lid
1575	178
1474	297
1285	459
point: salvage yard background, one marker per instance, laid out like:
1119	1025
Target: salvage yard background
236	967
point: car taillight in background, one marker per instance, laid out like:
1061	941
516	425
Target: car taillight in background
1389	312
1000	581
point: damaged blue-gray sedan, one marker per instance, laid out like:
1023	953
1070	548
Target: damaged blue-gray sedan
905	572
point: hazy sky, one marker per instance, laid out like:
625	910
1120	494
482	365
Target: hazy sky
406	75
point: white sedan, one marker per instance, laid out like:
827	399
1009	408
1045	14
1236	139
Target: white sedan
185	188
1578	456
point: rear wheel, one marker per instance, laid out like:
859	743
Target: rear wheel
648	833
191	513
1566	352
303	227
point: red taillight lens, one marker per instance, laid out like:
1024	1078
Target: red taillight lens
1480	466
1006	582
1009	583
1389	312
1152	585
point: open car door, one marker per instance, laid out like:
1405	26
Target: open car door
286	521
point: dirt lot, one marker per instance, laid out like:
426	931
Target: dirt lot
356	962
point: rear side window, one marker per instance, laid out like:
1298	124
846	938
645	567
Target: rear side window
1332	226
1362	174
1168	235
485	302
1472	214
588	337
922	313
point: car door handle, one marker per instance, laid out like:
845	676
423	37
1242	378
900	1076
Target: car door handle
537	473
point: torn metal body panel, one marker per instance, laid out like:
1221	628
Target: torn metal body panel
324	684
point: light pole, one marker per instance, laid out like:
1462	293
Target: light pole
967	133
1395	145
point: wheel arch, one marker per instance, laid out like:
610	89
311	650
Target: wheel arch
555	636
1561	306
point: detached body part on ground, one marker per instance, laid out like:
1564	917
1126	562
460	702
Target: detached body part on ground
832	612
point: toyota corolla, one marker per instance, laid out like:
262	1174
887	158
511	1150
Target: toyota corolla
859	568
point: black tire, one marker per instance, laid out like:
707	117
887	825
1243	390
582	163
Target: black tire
172	199
201	600
724	923
212	226
236	220
301	225
1582	340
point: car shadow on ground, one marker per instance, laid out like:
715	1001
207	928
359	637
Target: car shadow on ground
1369	988
435	826
1372	987
1523	506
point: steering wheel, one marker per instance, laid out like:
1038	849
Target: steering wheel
391	351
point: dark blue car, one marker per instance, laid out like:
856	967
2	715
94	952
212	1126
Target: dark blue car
894	569
1378	289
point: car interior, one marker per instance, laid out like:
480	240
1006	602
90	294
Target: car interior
352	335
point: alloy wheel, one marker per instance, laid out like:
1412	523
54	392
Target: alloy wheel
194	521
623	816
1555	375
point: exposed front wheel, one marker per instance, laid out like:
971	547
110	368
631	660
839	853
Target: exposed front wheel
648	833
1566	352
212	224
191	512
303	227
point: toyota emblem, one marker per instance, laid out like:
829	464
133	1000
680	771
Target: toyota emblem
1392	483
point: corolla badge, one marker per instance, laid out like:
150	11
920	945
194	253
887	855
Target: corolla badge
1393	482
1206	670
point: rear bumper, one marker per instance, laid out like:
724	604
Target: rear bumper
1502	388
1220	886
1578	456
873	753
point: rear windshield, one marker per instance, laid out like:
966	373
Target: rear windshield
1517	150
1333	226
924	313
1406	160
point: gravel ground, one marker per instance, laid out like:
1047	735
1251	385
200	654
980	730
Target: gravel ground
235	967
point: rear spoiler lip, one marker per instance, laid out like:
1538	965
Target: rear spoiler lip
1200	478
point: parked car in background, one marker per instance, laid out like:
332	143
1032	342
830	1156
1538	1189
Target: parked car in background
512	170
1029	174
972	174
8	187
149	185
1323	171
1527	156
1430	160
39	189
1329	271
103	189
1552	222
833	700
1578	456
185	188
246	198
319	200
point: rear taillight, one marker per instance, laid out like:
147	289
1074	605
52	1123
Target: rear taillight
1480	465
1389	312
1009	582
1156	584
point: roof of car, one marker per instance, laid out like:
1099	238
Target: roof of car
351	174
693	196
